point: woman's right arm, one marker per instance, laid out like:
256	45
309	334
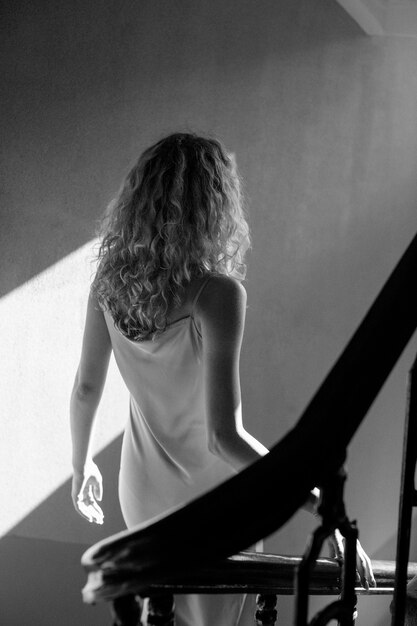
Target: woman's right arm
221	313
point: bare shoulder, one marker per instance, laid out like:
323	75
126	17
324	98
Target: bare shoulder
221	306
221	291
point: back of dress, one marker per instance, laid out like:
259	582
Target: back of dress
165	457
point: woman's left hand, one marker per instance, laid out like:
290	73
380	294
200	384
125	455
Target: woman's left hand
363	562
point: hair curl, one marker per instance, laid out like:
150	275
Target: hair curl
178	215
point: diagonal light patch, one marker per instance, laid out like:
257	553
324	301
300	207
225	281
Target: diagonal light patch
41	327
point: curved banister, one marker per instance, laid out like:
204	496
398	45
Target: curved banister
246	572
225	520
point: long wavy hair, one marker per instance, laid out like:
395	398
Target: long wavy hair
178	215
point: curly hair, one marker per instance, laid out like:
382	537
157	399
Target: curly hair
179	214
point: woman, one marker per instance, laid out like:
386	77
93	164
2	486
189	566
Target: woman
167	299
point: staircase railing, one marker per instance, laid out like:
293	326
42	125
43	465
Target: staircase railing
210	528
267	575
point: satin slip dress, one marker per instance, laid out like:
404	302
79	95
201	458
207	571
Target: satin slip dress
165	460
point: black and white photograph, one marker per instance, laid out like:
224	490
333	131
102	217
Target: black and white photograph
208	239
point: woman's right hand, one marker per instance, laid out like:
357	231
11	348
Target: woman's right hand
87	489
364	571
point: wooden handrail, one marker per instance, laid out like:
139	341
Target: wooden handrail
246	572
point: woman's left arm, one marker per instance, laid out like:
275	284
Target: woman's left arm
85	397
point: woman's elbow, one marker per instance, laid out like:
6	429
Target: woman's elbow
84	391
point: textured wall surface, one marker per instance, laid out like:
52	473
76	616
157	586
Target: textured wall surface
323	121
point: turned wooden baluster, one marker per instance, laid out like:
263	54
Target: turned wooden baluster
161	611
266	613
126	611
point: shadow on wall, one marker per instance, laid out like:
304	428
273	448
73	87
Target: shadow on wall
41	585
42	580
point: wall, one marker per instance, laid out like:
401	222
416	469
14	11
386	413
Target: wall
323	122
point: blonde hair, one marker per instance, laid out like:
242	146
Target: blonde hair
179	214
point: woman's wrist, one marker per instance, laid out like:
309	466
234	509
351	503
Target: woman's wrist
80	469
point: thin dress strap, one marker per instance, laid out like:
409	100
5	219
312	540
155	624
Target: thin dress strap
197	295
